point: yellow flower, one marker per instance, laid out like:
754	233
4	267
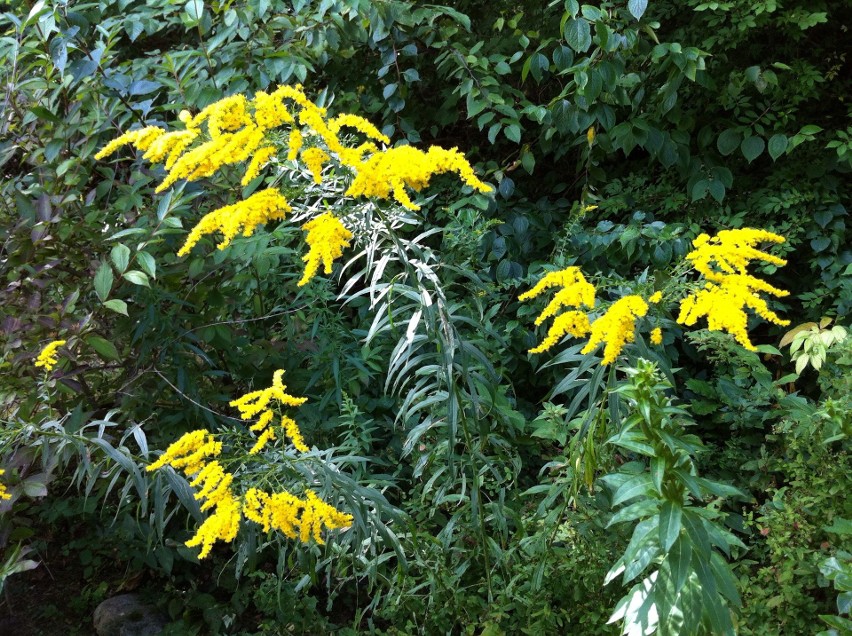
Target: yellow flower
590	136
616	327
292	516
266	436
576	292
327	237
389	172
294	144
656	336
142	138
253	403
48	358
260	208
574	323
256	402
314	158
189	452
723	261
724	305
3	493
292	429
731	251
222	525
270	111
656	297
360	124
261	157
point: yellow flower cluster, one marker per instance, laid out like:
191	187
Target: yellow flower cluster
256	402
294	517
388	173
576	292
656	336
3	493
723	261
230	220
327	237
236	132
48	357
616	327
190	454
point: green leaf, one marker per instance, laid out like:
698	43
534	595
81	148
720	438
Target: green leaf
136	277
777	146
717	190
637	8
120	256
635	487
752	147
700	189
147	263
194	9
728	141
513	133
578	34
840	526
637	510
118	306
670	515
103	281
103	347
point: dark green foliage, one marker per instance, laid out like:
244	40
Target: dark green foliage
483	480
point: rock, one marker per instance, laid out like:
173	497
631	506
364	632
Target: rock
128	615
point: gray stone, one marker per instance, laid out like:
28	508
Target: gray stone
128	615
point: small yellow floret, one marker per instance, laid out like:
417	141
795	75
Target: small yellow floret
656	297
189	452
3	493
389	172
260	159
723	261
244	216
616	327
315	158
656	336
327	237
48	358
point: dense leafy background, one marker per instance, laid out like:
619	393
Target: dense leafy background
707	115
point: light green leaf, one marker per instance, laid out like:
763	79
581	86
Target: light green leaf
136	277
637	8
118	306
120	256
670	515
147	263
103	281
